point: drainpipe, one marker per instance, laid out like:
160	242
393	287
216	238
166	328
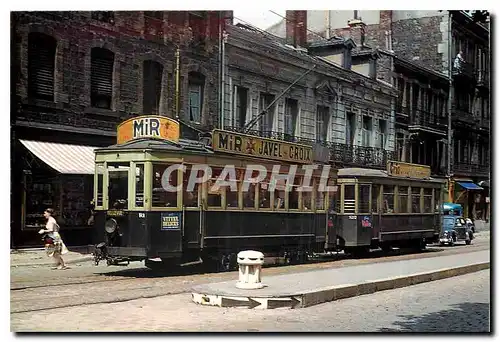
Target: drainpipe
327	33
177	81
223	80
450	186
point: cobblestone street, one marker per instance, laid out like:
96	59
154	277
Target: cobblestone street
459	304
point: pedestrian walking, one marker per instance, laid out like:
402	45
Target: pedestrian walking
54	245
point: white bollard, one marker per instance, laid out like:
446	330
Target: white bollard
250	263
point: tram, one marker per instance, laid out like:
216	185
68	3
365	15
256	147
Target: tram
398	207
137	218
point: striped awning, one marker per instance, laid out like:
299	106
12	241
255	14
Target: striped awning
64	158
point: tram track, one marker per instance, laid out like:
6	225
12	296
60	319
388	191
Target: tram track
143	283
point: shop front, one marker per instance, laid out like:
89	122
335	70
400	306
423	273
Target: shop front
466	192
58	176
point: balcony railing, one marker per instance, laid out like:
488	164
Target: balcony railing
429	120
471	168
465	69
68	119
340	154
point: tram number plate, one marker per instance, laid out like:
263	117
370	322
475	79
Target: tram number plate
352	217
171	221
142	215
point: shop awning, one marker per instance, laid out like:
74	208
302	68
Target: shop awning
470	186
64	158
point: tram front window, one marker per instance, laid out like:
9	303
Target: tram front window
161	196
118	186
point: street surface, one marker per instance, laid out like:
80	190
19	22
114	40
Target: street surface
459	304
37	290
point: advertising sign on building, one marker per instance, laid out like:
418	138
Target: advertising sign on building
400	169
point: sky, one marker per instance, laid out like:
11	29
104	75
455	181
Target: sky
262	19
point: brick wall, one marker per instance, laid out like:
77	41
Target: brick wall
134	38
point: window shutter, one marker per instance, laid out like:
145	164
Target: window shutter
101	77
41	65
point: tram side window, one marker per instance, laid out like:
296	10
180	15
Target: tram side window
100	185
190	196
264	193
320	196
250	193
293	195
349	200
364	198
403	199
118	185
415	200
427	200
139	185
388	204
214	198
279	194
162	197
307	193
375	193
232	196
437	200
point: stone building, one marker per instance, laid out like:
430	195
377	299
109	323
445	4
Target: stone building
75	75
351	113
431	79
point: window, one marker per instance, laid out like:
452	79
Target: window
364	198
100	184
307	200
375	194
264	193
415	200
350	128
240	105
367	131
214	198
349	200
41	66
139	185
427	200
249	196
267	120
403	199
153	72
293	195
101	78
197	23
291	115
437	200
232	197
280	194
162	197
320	197
388	205
196	86
118	185
190	196
383	133
322	116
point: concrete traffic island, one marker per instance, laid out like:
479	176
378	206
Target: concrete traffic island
304	289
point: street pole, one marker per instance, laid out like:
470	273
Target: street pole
450	186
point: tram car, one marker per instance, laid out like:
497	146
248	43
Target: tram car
137	219
397	207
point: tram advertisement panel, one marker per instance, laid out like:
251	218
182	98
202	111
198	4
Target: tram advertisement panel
171	221
260	147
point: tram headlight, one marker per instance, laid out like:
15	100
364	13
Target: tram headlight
110	226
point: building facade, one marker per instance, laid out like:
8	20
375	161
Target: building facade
75	76
441	66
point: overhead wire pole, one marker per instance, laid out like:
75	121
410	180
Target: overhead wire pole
252	122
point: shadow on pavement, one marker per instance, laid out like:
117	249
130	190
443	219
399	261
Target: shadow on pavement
463	317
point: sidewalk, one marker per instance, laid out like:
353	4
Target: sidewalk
319	286
38	257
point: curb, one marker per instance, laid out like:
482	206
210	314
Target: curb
333	293
70	261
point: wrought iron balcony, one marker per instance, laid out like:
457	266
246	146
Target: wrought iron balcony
463	69
429	120
340	154
70	120
471	168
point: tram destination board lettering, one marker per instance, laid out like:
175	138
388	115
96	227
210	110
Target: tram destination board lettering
248	145
171	221
401	169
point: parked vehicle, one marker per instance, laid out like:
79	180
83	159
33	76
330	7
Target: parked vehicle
454	227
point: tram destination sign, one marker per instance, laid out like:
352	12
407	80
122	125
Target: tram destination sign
400	169
148	126
237	143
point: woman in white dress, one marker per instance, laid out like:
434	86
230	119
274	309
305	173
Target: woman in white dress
55	248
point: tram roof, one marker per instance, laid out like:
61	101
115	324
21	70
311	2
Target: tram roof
160	145
362	172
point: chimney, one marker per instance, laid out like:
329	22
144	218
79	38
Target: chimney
357	31
296	28
385	30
